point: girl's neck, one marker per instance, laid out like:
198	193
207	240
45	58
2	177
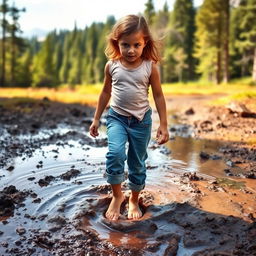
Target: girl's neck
131	65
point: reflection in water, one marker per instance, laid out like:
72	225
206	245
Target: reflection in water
188	151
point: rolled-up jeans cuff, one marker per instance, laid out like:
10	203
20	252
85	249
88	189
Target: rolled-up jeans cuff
135	187
115	178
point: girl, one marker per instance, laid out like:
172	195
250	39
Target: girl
130	70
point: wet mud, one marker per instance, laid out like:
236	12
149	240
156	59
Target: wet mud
233	124
199	199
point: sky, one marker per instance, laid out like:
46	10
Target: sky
46	15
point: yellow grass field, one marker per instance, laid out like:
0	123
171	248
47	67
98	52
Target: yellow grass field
88	94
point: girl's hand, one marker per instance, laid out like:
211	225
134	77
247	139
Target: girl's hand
94	128
162	135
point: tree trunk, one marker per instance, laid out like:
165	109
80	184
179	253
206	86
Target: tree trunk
218	45
226	41
180	75
13	59
3	44
243	65
254	66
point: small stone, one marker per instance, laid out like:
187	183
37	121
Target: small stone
20	230
230	163
204	155
10	168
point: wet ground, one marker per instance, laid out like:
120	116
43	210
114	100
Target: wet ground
199	198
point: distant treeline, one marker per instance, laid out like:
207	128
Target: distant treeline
217	42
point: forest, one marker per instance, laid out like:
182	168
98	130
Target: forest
215	42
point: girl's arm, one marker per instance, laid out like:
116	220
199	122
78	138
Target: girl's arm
162	132
102	102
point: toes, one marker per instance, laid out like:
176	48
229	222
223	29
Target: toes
134	215
137	216
108	216
115	217
112	216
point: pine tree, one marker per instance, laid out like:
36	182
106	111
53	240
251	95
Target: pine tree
149	12
91	45
161	20
247	37
160	29
44	71
180	58
183	20
211	21
226	35
66	64
75	73
16	42
4	9
181	36
57	58
239	57
24	73
101	59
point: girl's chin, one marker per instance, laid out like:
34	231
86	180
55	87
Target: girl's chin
131	59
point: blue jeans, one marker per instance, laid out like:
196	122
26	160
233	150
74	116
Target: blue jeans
120	130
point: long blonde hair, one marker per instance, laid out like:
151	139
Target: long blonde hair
126	26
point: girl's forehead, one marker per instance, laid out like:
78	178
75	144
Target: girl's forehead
136	36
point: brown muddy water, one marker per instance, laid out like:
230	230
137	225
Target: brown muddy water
67	196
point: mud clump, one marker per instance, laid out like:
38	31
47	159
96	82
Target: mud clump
45	181
70	174
6	205
11	198
191	176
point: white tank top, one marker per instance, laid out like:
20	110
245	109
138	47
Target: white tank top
130	88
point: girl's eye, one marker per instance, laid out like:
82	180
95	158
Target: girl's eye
125	45
137	45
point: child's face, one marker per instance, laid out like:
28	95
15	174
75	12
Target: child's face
131	46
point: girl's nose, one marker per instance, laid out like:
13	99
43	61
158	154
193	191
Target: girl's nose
131	50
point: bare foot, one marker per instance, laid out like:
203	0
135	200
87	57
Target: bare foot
113	211
134	212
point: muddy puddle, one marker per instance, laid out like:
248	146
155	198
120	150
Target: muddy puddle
61	210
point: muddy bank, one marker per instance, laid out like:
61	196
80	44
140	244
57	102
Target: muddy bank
233	124
53	194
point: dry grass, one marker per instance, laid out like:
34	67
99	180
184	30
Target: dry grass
64	95
88	94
